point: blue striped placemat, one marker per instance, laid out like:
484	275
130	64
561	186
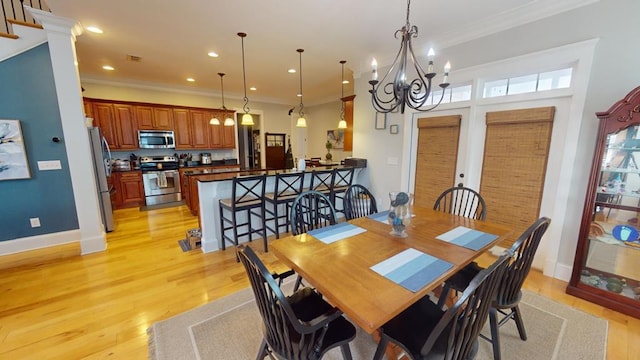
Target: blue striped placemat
381	216
336	232
469	238
412	269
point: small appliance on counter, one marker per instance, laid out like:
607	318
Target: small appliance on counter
205	158
120	165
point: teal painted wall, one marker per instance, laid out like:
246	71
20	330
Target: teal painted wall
27	93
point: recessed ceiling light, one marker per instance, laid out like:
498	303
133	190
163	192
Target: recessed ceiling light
291	71
94	29
253	88
345	81
299	95
108	67
212	54
191	79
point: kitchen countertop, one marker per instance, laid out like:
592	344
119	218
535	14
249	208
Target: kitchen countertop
227	174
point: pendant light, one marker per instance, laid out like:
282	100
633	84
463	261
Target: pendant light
247	119
342	124
228	121
302	122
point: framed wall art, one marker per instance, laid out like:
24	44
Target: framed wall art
13	157
394	129
336	138
381	121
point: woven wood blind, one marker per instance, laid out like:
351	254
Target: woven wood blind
514	166
437	156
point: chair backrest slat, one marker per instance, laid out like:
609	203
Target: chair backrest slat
247	189
359	202
311	210
466	318
524	250
462	201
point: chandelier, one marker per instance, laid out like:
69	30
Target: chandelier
228	121
302	122
247	119
390	94
342	124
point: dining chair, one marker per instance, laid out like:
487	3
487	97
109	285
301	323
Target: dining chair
321	181
311	210
359	202
510	288
425	331
461	201
287	187
247	200
299	326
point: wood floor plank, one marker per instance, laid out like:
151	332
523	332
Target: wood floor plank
57	304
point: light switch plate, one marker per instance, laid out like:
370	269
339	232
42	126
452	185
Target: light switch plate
49	165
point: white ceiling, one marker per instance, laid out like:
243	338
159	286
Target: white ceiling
173	37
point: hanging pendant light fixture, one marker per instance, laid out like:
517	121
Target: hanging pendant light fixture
247	119
342	124
228	121
400	92
302	122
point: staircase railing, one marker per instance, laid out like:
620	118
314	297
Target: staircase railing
14	10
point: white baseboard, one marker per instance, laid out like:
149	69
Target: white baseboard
38	242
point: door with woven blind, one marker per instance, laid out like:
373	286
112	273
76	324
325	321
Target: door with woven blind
514	166
436	160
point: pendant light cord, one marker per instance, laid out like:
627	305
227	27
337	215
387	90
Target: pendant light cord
222	87
342	91
301	112
245	107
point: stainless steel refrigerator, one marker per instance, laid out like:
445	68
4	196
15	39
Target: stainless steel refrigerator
102	165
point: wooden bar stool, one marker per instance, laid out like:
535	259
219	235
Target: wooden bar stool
247	197
287	187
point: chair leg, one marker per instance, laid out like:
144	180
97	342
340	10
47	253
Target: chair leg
446	288
263	351
382	347
495	333
276	225
346	352
519	323
298	283
224	245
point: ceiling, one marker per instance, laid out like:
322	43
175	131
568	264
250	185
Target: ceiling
172	39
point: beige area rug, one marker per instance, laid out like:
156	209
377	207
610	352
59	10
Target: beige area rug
230	329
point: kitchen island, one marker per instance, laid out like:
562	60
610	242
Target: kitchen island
213	186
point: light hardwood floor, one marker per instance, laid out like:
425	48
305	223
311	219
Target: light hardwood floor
56	304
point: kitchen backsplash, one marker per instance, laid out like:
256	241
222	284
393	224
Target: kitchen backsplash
195	155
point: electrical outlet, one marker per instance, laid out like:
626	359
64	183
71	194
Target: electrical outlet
35	222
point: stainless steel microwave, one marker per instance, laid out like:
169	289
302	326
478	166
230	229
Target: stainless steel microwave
156	139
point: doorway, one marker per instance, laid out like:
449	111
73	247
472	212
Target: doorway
249	154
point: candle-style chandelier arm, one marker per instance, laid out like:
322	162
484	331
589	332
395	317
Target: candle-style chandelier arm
388	95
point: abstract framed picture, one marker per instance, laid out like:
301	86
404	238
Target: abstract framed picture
13	157
336	138
381	121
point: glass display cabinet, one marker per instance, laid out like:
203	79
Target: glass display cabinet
606	268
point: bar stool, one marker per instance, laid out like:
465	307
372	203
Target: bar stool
340	182
321	181
287	187
247	197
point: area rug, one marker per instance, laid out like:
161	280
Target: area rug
230	329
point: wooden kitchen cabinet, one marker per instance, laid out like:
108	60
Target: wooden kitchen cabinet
182	128
117	124
605	268
200	128
348	117
220	136
154	118
129	190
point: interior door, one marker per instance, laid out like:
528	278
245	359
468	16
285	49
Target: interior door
275	150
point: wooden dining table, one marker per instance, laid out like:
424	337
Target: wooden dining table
341	271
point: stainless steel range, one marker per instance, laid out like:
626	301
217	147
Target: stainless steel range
161	179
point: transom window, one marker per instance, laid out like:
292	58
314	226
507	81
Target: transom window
550	80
